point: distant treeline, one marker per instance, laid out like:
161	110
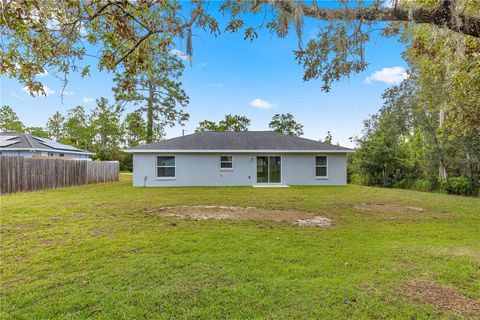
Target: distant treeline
101	130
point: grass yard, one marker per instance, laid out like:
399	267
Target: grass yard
97	251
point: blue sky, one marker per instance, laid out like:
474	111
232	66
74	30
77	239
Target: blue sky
256	79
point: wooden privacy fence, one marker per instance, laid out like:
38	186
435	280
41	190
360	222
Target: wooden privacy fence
29	174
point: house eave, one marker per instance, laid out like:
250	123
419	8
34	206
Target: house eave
233	151
46	150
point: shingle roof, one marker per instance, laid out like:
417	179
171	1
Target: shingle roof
244	140
25	141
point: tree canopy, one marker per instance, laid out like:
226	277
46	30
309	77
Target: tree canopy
156	92
9	121
427	134
229	123
56	36
286	124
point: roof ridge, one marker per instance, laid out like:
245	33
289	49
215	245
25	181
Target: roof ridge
27	137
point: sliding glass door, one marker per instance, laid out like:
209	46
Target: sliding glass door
269	169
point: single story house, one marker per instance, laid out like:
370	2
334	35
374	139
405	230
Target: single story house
26	145
258	158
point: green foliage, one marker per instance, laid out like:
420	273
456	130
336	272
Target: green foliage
135	133
328	138
459	185
100	131
107	129
9	121
356	178
429	129
385	155
286	124
230	123
156	92
135	129
38	132
333	54
421	185
77	129
207	125
57	35
55	126
400	147
234	123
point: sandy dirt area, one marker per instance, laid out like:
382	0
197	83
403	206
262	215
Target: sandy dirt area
303	219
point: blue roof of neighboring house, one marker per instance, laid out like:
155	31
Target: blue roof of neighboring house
23	141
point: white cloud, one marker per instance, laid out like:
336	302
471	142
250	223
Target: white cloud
215	85
391	3
48	91
391	75
67	93
388	4
25	89
261	104
83	31
87	100
180	54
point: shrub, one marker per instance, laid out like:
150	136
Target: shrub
459	185
403	184
422	185
356	178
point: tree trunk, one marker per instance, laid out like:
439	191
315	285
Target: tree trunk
385	174
442	169
472	171
150	103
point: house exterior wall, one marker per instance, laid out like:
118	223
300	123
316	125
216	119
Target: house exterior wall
29	154
195	169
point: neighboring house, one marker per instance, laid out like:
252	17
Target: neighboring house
258	158
26	145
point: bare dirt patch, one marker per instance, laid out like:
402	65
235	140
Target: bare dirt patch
304	219
316	221
441	298
387	208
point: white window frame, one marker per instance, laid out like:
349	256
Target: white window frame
231	161
321	166
157	166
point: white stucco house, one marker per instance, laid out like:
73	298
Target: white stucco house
258	158
25	145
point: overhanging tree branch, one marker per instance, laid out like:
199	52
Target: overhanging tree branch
441	16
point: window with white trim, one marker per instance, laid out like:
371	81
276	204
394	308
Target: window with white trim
226	162
321	167
165	166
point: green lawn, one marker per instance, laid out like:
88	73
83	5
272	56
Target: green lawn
95	252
